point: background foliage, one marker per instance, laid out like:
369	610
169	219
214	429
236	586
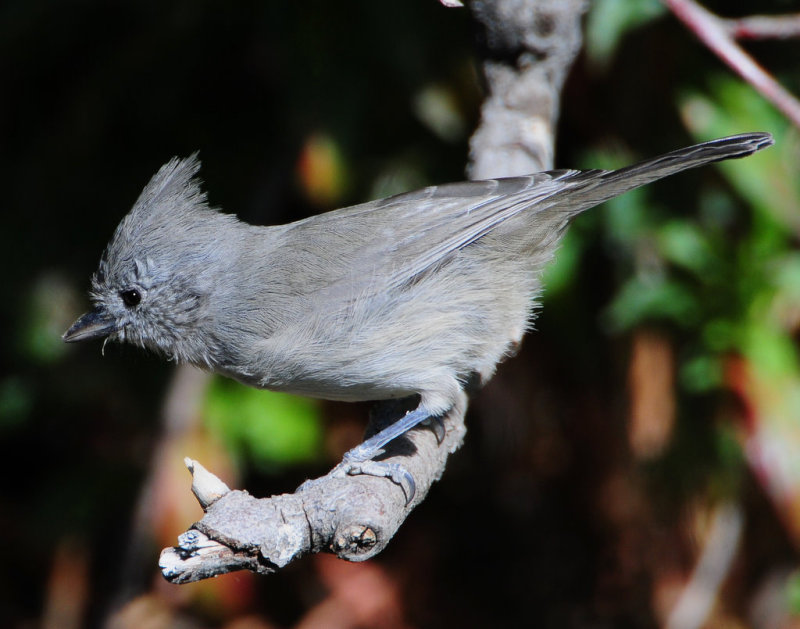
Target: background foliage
663	380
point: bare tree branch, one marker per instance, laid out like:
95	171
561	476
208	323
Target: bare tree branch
714	33
713	566
529	45
351	516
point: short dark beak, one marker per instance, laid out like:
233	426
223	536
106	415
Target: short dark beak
95	324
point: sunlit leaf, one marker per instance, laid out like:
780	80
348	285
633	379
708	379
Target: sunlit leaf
767	180
609	20
702	373
647	299
685	244
271	427
770	350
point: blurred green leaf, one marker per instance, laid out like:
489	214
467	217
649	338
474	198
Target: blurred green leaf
609	20
771	351
767	180
793	593
628	218
701	374
786	275
721	335
730	461
48	312
685	244
268	426
16	401
717	210
651	299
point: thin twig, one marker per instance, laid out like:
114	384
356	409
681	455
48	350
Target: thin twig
713	33
695	603
764	26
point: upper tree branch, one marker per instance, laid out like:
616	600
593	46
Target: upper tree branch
716	34
529	47
764	26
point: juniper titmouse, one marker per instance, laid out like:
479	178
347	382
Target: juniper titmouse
418	293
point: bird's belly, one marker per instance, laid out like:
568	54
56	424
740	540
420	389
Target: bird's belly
424	338
332	382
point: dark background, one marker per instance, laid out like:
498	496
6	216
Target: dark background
548	516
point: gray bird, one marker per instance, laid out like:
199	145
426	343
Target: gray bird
419	293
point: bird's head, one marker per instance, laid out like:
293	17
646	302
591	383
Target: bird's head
157	275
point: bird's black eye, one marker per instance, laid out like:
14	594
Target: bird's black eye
131	297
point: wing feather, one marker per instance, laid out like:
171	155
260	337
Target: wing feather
411	232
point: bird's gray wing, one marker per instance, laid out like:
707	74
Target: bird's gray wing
386	243
450	217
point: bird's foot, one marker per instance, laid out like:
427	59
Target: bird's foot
354	465
360	460
436	424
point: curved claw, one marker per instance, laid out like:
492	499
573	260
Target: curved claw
393	471
396	473
436	424
359	460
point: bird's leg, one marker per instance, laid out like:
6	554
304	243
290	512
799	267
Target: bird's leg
372	447
359	460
